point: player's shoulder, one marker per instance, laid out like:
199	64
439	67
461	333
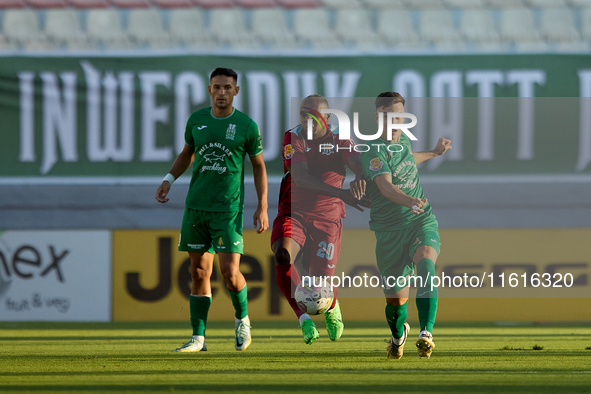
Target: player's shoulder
240	117
295	133
201	113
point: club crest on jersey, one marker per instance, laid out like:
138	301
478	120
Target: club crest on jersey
231	131
287	152
375	164
326	149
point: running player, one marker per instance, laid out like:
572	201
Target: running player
311	209
219	137
406	230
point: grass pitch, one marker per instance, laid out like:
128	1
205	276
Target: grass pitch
138	357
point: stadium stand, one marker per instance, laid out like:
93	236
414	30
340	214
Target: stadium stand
62	28
298	3
546	3
229	29
47	3
396	29
268	25
173	3
384	4
21	28
12	4
131	3
104	28
517	26
438	28
256	3
423	4
586	17
341	4
187	27
478	29
468	4
214	3
145	28
312	29
89	3
354	29
505	3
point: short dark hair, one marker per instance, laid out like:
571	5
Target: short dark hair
317	97
227	72
388	98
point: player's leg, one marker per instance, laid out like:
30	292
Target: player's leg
325	237
230	268
227	241
196	240
285	249
396	314
424	255
391	257
287	240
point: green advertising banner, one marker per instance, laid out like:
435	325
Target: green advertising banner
125	116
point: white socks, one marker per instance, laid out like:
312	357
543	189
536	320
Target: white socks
304	317
244	320
199	338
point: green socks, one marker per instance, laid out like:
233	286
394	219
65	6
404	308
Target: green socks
199	306
396	316
426	298
240	302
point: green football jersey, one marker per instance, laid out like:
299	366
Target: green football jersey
220	145
395	158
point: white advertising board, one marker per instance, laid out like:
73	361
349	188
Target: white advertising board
55	276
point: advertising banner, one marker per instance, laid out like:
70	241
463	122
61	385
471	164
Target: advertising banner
126	116
151	279
55	276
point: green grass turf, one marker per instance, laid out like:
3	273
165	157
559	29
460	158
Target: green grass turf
138	357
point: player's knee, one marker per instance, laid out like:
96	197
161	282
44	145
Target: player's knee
397	301
200	274
282	257
229	273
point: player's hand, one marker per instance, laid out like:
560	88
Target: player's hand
443	145
261	219
357	187
416	205
348	198
162	192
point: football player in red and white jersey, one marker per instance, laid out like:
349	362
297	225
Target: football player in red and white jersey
311	208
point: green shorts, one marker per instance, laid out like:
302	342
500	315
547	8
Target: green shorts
211	232
395	250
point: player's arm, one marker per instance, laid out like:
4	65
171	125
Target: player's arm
393	193
180	165
357	186
303	179
443	145
260	183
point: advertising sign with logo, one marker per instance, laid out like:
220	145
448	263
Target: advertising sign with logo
55	276
151	279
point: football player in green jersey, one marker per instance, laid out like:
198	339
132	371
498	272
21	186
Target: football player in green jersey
218	137
407	235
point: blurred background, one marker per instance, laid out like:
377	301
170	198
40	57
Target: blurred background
94	96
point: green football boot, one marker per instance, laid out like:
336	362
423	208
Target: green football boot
310	331
334	322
